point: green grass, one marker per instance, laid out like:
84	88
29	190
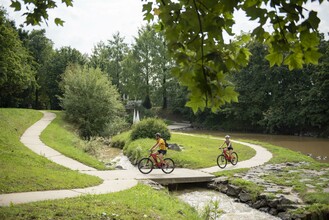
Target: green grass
21	169
281	154
140	202
199	151
60	136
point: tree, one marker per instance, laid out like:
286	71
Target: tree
194	35
16	72
90	100
56	68
41	49
109	58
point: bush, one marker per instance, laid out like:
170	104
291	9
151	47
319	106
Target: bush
91	102
120	140
147	128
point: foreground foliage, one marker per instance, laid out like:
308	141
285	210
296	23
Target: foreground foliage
140	202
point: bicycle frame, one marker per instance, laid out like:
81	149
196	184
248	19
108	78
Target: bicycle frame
225	156
228	157
147	164
155	158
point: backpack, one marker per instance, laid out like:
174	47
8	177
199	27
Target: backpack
166	144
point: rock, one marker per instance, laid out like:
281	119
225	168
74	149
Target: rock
260	204
264	209
174	147
119	167
245	197
273	211
222	188
284	216
222	180
233	190
274	203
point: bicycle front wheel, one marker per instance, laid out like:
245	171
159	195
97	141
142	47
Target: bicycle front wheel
234	158
145	165
221	161
168	166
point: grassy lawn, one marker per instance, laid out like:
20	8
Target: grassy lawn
60	136
140	202
21	169
199	151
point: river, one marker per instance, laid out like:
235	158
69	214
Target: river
318	148
200	198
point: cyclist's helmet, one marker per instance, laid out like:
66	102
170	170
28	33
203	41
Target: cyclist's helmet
158	135
227	136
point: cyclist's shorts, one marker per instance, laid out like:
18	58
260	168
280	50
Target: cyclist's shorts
163	152
230	148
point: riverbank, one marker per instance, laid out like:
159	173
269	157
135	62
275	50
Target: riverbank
290	186
316	148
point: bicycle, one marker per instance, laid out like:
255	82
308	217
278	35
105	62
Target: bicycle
224	157
147	164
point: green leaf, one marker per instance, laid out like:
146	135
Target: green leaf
68	2
312	57
16	5
230	94
59	21
313	19
309	40
294	61
196	103
274	58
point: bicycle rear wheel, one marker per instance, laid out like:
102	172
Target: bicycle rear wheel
145	165
169	166
234	158
221	161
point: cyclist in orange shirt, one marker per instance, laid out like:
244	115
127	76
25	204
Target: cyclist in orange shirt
162	146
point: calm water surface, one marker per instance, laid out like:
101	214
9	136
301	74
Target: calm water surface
317	147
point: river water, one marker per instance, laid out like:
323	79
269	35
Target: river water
318	148
200	198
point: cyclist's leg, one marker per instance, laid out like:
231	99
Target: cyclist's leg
230	152
161	155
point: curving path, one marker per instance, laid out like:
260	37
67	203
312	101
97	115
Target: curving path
115	180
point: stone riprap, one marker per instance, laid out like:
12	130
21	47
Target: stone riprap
277	199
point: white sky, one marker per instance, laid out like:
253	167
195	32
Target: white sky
91	21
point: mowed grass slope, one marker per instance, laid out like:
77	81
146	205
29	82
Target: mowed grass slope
21	169
139	202
60	136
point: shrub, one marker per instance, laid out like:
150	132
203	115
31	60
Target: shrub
91	101
120	140
147	128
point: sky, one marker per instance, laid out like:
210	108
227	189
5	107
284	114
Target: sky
91	21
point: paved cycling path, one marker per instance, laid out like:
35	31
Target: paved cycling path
114	181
